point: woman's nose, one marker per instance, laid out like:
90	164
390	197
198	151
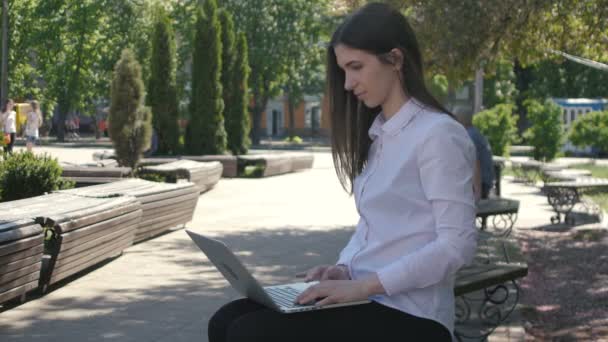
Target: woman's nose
349	83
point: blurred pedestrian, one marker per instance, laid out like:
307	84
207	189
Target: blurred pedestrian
9	123
33	123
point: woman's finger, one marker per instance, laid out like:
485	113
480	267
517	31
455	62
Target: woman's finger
315	273
326	301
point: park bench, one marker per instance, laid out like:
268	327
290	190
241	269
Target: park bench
204	174
564	196
529	170
165	206
21	248
89	175
486	290
270	164
499	165
109	156
80	232
500	212
151	161
229	163
300	161
566	175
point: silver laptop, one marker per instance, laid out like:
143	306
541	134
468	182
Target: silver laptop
280	297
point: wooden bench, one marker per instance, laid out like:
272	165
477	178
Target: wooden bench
229	163
81	232
300	161
564	196
21	248
156	161
269	164
164	206
204	174
90	175
486	291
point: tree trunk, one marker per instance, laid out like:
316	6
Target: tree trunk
4	81
65	104
522	82
478	99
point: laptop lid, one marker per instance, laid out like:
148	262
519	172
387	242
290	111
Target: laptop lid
243	281
232	269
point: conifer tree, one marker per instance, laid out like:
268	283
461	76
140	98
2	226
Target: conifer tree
130	123
206	133
162	89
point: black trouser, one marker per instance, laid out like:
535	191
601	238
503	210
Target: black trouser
485	190
245	320
9	147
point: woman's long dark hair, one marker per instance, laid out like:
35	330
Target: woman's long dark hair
376	28
5	105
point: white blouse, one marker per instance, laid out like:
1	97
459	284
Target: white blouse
10	122
417	211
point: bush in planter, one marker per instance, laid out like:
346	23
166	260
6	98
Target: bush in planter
157	177
24	175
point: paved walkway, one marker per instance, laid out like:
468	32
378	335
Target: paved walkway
165	289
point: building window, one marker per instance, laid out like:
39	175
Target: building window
572	115
307	118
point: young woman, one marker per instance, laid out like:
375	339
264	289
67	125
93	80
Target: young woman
409	164
34	121
9	120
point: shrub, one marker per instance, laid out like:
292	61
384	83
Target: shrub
499	126
237	113
545	132
162	89
205	133
591	130
295	139
130	123
24	175
157	177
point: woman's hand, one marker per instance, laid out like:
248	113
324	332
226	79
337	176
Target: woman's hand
341	291
326	272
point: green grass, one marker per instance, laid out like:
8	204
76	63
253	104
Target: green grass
599	172
507	171
596	171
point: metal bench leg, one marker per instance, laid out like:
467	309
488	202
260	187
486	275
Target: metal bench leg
493	307
562	200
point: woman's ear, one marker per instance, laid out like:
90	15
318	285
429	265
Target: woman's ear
396	57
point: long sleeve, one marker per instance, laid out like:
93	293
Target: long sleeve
351	248
445	163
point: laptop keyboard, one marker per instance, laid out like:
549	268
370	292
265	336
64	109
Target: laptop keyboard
284	296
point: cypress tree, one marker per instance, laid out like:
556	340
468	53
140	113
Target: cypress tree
238	120
228	57
130	123
162	89
206	133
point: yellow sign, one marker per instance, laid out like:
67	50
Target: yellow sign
22	109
